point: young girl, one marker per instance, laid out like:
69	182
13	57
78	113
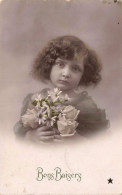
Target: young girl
68	64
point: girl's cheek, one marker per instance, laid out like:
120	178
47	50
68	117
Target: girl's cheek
81	74
80	77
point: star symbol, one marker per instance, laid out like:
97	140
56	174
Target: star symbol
110	180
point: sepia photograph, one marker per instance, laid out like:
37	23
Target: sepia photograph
61	107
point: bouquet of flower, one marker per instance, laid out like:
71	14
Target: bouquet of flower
52	111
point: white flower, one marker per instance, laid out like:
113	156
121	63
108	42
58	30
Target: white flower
41	117
70	112
58	108
50	121
66	97
33	118
54	95
45	108
67	126
29	118
38	106
57	91
39	98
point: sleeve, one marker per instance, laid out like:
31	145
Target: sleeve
19	129
91	119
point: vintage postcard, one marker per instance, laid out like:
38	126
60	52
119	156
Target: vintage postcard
61	105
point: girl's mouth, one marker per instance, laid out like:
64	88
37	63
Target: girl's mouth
63	82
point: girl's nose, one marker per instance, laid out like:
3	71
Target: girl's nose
66	72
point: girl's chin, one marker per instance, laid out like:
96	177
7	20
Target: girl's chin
63	87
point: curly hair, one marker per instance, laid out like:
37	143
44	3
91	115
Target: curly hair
67	47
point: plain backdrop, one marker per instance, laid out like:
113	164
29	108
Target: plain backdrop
26	26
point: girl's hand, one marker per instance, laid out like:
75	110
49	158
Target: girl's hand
57	135
44	133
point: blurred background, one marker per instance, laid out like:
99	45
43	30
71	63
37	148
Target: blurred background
26	26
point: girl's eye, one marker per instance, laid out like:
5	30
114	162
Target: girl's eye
60	64
76	69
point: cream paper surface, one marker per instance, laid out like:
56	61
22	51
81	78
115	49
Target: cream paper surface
25	27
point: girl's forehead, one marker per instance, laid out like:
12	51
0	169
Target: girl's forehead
75	59
75	56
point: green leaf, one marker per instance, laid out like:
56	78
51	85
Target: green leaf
34	102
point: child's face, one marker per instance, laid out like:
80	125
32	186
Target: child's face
66	74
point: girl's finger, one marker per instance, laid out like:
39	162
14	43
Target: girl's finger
57	137
44	128
46	133
56	131
46	138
